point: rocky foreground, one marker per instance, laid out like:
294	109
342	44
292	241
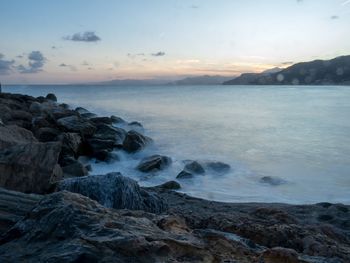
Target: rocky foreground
52	210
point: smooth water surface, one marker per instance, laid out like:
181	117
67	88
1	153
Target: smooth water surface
298	134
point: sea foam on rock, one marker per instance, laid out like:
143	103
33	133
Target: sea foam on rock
116	191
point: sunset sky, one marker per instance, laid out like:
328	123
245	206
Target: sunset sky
70	41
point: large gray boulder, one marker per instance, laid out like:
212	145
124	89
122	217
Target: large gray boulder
108	132
154	163
31	167
116	191
12	135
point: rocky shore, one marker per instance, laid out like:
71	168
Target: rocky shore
52	210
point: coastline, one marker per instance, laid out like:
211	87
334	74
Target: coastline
175	226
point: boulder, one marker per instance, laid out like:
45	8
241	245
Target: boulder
135	141
31	167
12	135
21	115
47	134
51	97
184	175
171	185
76	169
154	163
194	167
218	167
77	124
71	144
271	180
98	144
115	190
108	132
101	120
117	120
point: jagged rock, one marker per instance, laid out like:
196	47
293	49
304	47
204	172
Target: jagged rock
51	97
14	206
108	132
76	124
21	115
115	190
154	163
81	110
31	167
12	135
99	144
47	134
71	144
76	169
135	141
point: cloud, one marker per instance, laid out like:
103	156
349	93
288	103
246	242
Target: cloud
85	63
194	6
36	62
334	17
5	65
158	54
87	36
133	56
71	67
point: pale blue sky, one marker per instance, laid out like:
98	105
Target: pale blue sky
197	37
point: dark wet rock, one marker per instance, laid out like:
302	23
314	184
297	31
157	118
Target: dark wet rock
76	124
101	120
21	115
105	156
88	115
279	254
108	132
71	144
41	122
47	134
21	123
194	167
5	113
117	120
12	135
275	181
154	163
76	169
184	175
51	97
81	110
31	167
100	144
115	190
218	167
135	123
171	185
135	141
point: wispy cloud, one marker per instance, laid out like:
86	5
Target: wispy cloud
346	2
36	61
71	67
158	54
88	36
334	17
5	65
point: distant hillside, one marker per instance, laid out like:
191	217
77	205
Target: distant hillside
318	72
201	80
130	82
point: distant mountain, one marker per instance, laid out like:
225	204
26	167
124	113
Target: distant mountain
130	82
318	72
201	80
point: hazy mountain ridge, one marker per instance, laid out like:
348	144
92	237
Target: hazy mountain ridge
201	80
318	72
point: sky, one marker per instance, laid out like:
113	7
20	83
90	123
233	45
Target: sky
75	41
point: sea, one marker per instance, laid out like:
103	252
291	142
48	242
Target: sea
297	135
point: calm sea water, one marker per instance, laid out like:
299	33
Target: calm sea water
299	134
